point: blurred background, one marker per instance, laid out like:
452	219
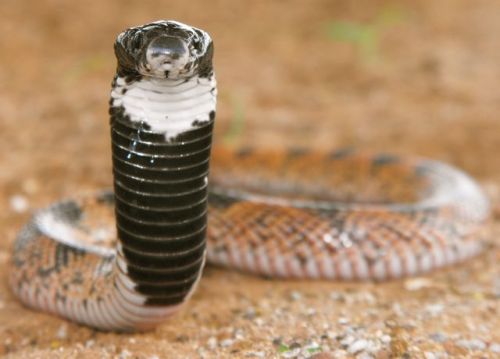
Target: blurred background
410	77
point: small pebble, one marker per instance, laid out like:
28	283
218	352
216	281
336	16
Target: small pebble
255	354
62	332
386	339
495	348
347	341
295	295
292	353
430	355
212	343
124	354
357	346
337	296
396	308
341	354
227	343
239	334
472	344
101	234
277	341
367	297
343	321
434	309
250	313
364	356
322	356
259	322
312	347
19	203
438	337
415	284
311	312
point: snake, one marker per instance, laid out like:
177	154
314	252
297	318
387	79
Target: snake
126	259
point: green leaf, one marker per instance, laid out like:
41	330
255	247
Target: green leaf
346	31
283	348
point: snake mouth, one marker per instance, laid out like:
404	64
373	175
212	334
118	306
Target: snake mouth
164	50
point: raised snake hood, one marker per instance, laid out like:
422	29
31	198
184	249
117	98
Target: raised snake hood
165	78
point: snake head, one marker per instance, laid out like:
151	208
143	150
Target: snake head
164	49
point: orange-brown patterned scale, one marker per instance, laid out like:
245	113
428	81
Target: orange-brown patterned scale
340	215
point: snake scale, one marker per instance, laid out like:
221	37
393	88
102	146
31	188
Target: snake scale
126	259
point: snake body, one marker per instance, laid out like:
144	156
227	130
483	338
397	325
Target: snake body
127	259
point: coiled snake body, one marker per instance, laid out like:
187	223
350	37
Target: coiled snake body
353	216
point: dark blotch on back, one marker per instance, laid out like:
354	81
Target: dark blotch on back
244	152
106	197
297	152
69	211
424	169
385	159
341	153
220	200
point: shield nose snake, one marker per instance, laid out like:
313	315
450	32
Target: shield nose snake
127	259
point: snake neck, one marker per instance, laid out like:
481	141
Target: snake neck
161	134
164	106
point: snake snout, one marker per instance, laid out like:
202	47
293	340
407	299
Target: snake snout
167	53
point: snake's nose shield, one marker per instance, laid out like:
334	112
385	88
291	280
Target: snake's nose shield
164	51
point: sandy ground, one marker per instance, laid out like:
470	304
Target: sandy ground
413	78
